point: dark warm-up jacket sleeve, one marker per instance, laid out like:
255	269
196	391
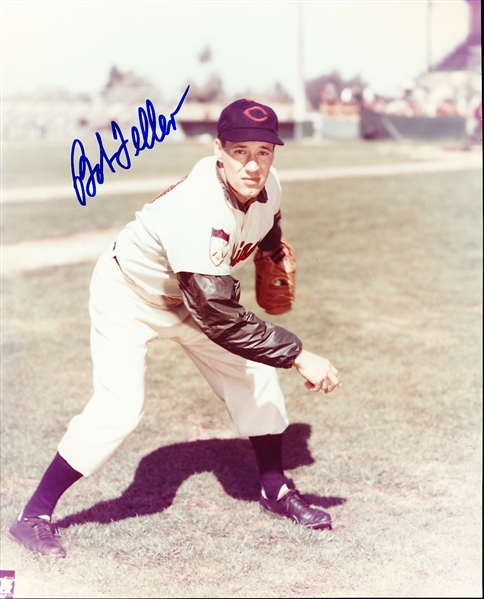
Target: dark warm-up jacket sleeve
273	239
213	302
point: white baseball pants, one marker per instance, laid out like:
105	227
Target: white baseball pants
123	322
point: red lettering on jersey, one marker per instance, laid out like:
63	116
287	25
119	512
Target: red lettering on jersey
256	113
242	252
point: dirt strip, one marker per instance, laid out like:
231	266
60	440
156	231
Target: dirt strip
70	249
453	163
87	247
449	161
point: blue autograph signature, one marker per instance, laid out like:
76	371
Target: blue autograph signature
142	137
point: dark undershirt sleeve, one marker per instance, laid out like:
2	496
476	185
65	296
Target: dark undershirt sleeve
213	302
273	239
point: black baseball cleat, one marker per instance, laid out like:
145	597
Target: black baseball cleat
291	505
36	535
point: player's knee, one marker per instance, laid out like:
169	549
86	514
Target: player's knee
127	420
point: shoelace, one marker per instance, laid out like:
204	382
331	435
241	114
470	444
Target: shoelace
43	529
296	499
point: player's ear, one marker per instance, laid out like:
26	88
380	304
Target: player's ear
217	146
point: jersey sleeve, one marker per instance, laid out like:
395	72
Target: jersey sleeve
213	302
198	243
205	255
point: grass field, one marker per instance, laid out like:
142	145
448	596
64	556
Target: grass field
48	164
389	288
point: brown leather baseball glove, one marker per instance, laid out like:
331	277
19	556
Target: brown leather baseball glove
275	278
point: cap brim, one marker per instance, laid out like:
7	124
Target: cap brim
251	135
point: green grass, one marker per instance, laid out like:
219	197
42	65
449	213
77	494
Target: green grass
389	288
47	163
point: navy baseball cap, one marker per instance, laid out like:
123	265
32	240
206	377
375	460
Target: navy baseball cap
246	120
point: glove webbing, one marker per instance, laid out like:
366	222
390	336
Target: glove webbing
278	255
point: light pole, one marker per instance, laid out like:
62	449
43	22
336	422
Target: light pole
300	95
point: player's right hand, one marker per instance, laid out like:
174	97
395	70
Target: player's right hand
319	373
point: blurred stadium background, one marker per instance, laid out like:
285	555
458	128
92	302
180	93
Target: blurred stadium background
443	102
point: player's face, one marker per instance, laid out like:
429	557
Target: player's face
246	165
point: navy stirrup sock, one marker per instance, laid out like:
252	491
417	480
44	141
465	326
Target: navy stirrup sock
268	452
58	477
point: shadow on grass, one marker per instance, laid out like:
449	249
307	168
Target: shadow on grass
160	474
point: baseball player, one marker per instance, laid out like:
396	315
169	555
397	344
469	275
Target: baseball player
170	275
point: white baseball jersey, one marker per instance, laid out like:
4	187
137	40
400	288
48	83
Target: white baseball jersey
195	226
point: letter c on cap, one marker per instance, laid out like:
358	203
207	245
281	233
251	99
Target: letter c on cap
256	113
